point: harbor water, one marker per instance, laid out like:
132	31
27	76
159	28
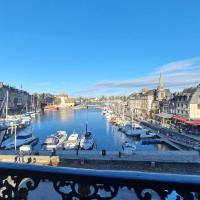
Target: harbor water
106	135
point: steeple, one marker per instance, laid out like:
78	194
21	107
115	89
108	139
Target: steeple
161	82
160	90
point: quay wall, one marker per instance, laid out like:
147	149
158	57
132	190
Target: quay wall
137	156
187	162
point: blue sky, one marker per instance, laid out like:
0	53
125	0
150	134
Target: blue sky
96	47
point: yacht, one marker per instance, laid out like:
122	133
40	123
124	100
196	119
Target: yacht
23	138
55	141
87	141
135	130
25	121
128	147
103	112
148	134
72	142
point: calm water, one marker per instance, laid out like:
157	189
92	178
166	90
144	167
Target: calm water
105	135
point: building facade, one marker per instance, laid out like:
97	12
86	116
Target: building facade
184	104
17	100
140	104
146	104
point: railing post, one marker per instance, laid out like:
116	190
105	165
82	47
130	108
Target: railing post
22	194
84	190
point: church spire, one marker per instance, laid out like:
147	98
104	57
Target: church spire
161	82
160	90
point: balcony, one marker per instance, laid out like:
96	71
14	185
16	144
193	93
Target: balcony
19	181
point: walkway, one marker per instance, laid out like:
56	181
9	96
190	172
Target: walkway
174	136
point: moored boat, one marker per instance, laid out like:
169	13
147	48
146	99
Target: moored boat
55	141
128	147
147	134
87	141
72	142
23	138
135	130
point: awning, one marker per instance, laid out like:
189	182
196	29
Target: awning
194	122
187	121
182	119
164	115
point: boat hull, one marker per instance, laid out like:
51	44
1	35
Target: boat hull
32	142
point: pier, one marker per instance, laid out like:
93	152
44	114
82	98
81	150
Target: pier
167	141
178	140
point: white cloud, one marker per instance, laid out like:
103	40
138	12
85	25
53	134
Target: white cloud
177	75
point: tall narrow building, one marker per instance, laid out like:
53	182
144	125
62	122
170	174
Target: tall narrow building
160	89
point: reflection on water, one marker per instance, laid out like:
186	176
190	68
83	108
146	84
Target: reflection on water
106	136
65	115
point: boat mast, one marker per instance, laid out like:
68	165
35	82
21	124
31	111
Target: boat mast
6	104
87	120
26	104
15	136
33	103
86	127
131	120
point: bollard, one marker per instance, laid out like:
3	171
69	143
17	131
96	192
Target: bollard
82	161
53	153
103	152
29	160
77	151
153	164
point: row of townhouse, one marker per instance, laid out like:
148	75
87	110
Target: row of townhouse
185	104
147	104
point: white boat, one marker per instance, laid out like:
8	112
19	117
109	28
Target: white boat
23	138
124	126
108	116
135	130
26	149
55	141
128	147
148	134
72	142
25	121
87	141
103	112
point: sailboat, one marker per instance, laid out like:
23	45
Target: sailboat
72	142
87	141
23	138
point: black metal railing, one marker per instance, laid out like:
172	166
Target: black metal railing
17	180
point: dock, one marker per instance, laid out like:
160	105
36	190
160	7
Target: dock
162	133
167	141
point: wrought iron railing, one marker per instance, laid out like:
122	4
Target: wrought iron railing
17	180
